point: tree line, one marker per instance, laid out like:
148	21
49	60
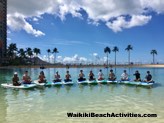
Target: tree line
115	49
28	55
25	56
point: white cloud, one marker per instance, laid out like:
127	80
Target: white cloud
110	12
95	54
121	22
18	22
155	5
8	39
35	19
69	6
83	60
59	58
74	59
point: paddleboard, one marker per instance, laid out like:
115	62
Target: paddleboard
54	83
138	83
124	82
68	83
39	84
92	82
22	86
101	81
147	83
82	82
109	81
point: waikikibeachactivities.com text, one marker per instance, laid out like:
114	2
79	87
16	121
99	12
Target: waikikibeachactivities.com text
92	114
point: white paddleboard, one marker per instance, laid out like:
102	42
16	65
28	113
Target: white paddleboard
92	82
101	81
109	81
147	83
39	84
22	86
82	82
54	83
68	83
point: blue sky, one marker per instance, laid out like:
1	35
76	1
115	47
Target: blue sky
83	33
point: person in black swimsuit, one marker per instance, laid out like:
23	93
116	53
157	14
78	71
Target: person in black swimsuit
137	75
91	76
148	77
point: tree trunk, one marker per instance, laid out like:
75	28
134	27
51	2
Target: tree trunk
48	57
55	58
107	60
115	58
153	59
129	57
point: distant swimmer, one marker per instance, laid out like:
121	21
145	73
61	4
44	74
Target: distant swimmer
15	79
81	76
137	75
42	77
112	76
26	78
57	77
100	75
124	76
91	76
148	77
67	77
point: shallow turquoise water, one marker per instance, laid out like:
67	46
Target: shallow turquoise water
51	104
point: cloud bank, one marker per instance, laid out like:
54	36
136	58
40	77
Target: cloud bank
115	14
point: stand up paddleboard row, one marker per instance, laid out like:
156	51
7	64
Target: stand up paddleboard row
36	83
142	83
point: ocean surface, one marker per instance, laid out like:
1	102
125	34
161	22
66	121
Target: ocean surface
51	104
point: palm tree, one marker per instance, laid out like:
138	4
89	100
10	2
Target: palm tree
115	49
22	55
36	51
153	52
107	51
55	50
129	47
48	51
11	51
29	53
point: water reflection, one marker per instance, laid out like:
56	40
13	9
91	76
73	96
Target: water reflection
57	89
82	87
112	87
92	86
68	88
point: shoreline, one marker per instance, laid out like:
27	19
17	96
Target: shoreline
88	66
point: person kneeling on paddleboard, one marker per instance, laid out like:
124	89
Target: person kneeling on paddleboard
67	77
26	78
137	75
57	77
112	76
124	76
15	79
42	78
100	75
81	76
91	76
148	77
